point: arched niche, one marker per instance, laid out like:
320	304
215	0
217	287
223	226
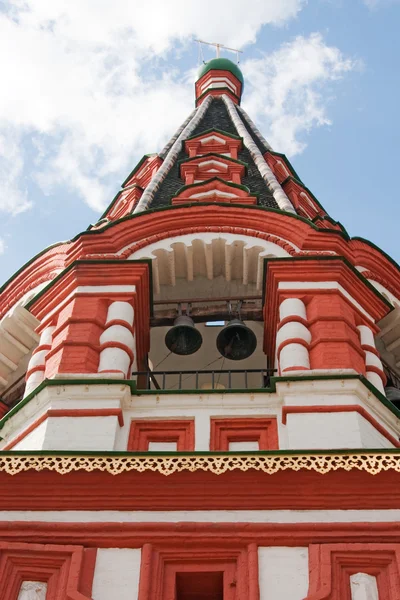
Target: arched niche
208	265
214	264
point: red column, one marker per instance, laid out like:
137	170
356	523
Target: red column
75	347
337	300
335	340
77	304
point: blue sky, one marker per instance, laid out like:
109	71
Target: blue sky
89	87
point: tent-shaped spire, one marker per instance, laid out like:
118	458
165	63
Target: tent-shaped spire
218	126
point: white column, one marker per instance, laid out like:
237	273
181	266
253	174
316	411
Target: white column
293	356
371	359
116	574
117	340
202	432
363	587
36	366
283	573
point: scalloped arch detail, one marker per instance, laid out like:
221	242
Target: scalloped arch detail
234	255
284	244
373	277
136	232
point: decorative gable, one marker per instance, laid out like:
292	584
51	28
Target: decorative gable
305	205
213	142
207	166
303	201
214	190
144	171
124	203
278	166
132	190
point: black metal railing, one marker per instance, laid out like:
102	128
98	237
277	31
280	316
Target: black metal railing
229	379
392	387
15	392
393	380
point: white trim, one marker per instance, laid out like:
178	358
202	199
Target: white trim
171	157
213	138
177	133
202	406
267	174
205	516
254	128
217	163
323	285
212	193
218	82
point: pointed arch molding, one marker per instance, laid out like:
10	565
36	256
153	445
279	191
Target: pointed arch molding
67	570
300	236
331	566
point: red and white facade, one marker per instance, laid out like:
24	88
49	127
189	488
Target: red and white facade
129	472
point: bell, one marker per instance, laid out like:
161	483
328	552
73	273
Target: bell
236	341
183	338
393	394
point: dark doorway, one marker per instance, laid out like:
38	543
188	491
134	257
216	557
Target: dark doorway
200	586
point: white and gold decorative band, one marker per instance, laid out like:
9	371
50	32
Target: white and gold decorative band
370	462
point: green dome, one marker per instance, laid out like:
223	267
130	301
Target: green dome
221	64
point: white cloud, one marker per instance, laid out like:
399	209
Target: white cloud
286	89
372	4
13	196
90	86
83	84
2	246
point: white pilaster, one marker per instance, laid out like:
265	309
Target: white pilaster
116	574
283	573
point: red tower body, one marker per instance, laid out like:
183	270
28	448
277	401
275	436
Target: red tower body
263	465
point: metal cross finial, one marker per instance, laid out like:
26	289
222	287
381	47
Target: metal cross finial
219	46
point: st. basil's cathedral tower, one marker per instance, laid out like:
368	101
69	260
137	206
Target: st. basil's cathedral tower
199	391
